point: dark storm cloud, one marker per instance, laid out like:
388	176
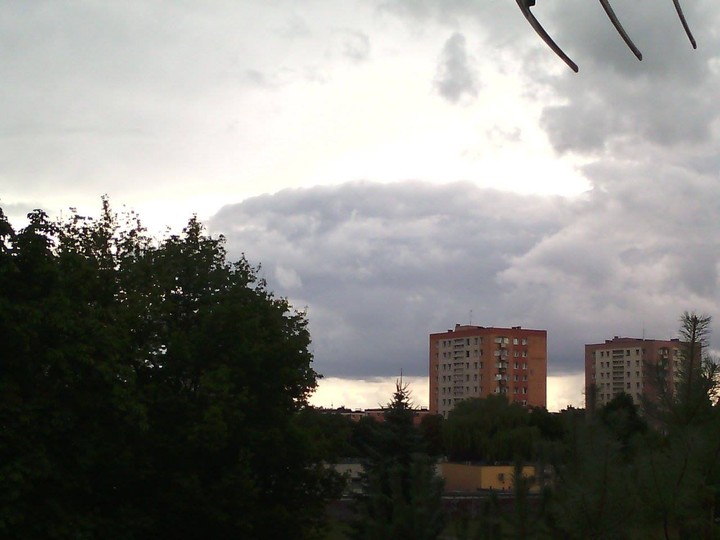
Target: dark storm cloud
668	99
455	77
380	267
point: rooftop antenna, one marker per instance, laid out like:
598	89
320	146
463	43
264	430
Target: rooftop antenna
619	27
525	6
470	323
684	23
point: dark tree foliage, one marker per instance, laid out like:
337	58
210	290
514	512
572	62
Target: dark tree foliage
549	425
401	496
148	389
620	415
431	429
489	429
331	434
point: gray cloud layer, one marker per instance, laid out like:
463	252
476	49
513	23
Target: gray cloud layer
381	266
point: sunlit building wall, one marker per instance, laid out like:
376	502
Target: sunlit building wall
475	361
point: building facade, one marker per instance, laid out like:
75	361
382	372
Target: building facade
475	361
629	365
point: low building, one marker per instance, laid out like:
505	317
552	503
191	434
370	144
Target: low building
470	478
458	478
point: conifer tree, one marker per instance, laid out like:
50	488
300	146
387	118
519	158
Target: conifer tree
401	496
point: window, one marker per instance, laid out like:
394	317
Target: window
517	365
524	341
475	365
524	354
467	365
627	352
627	385
515	341
516	353
524	366
480	365
475	377
467	341
476	341
467	354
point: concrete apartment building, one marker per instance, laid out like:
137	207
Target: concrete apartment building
475	361
629	365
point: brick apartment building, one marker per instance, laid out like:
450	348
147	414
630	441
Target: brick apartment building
629	365
475	361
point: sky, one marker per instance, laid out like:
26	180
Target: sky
396	166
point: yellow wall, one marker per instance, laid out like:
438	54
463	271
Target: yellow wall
470	478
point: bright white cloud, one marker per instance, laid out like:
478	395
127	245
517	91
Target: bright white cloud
563	391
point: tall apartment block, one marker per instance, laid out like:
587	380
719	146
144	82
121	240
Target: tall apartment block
628	365
475	362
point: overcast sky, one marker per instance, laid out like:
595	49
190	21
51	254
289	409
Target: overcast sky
397	166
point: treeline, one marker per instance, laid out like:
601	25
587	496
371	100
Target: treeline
479	430
606	474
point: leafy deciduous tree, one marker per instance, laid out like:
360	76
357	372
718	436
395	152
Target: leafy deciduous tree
148	389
